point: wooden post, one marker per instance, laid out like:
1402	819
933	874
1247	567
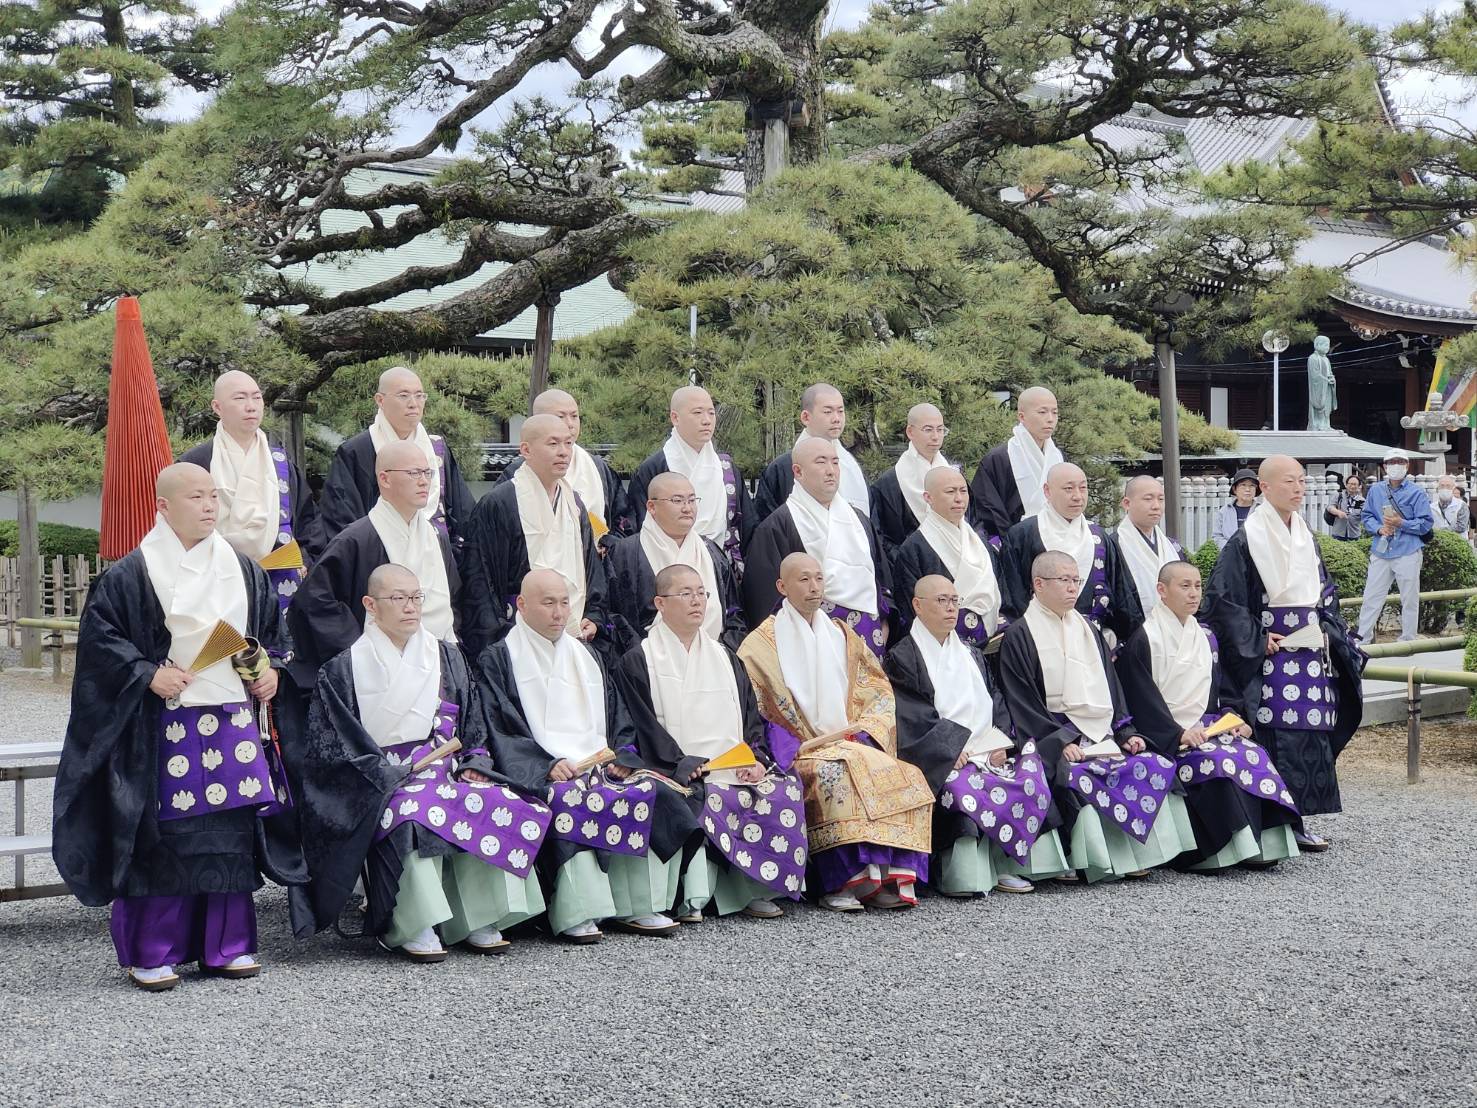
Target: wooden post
29	573
776	147
1169	421
1413	728
293	435
543	345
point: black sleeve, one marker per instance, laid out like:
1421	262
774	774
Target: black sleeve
924	738
307	521
761	571
327	611
657	748
748	517
617	510
636	493
988	501
772	490
484	571
459	501
1151	715
514	751
1020	680
1234	614
1127	612
342	503
735	626
1015	571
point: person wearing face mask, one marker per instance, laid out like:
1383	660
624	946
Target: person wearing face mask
1397	512
1450	510
1343	516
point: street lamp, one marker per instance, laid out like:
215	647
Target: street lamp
1274	343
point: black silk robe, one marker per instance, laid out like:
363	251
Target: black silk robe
632	587
307	523
774	540
1023	544
351	489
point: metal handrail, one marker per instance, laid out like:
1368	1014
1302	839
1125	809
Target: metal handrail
1434	594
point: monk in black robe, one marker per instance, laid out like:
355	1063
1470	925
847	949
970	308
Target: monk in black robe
1170	671
351	487
599	486
435	855
168	795
1108	597
560	730
1007	485
945	545
327	615
897	496
667	537
534	521
1303	699
822	416
724	514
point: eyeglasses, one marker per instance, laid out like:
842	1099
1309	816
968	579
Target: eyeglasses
679	501
403	600
939	430
406	397
1064	580
414	474
687	596
947	601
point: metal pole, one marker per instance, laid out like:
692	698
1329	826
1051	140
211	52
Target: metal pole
29	568
1413	734
1276	391
1169	434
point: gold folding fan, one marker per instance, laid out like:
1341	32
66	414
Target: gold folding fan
287	556
738	757
1228	722
599	758
598	526
224	642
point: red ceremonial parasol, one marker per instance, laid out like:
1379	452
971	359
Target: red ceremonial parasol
137	443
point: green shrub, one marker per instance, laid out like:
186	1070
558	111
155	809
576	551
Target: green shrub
1469	651
1205	558
56	539
1347	563
1449	564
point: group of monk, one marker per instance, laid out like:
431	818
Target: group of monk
623	704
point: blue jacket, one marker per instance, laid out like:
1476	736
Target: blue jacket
1411	502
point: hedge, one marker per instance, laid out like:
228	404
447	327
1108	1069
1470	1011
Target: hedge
56	539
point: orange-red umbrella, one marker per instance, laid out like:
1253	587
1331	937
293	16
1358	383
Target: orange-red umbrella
137	443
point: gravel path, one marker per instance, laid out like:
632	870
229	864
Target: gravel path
1342	980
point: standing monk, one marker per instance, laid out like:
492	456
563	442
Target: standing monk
819	521
898	502
1302	696
534	521
165	789
830	714
1007	486
945	545
351	488
1143	546
589	474
265	502
724	515
822	416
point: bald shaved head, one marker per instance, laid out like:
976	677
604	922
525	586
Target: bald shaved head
1143	502
237	403
398	455
391	576
543	601
401	399
688	393
936	603
1283	484
233	379
926	430
1066	490
668	484
823	411
802	583
558	403
184	495
403	476
398	619
676	519
1180	588
1036	410
947	492
536	426
918	413
398	376
817	467
694	416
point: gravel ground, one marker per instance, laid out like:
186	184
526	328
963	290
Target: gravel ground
1341	979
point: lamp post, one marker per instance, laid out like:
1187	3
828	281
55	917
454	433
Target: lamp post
1274	343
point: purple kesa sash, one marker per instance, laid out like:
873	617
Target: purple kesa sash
489	821
597	811
1240	761
971	627
760	829
1096	585
869	628
1129	791
731	540
1007	803
284	581
212	759
438	517
1297	694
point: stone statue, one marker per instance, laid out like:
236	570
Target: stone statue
1323	389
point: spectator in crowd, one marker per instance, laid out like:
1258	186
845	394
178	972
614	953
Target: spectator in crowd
1344	515
1397	512
1230	518
1450	510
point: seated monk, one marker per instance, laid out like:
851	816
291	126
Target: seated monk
445	846
1120	803
998	825
829	709
1241	809
561	730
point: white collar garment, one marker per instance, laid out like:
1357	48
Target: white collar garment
1072	673
198	588
662	551
1286	557
1074	538
398	692
853	482
694	693
415	546
968	562
959	690
562	692
551	531
584	477
250	498
834	537
911	469
813	663
1145	561
382	433
1179	658
1029	464
704	469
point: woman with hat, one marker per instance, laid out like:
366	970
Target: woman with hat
1230	518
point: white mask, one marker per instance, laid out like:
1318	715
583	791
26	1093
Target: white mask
1396	471
1444	495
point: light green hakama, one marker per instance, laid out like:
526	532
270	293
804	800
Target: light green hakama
1275	844
630	887
707	881
459	894
1104	852
972	865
